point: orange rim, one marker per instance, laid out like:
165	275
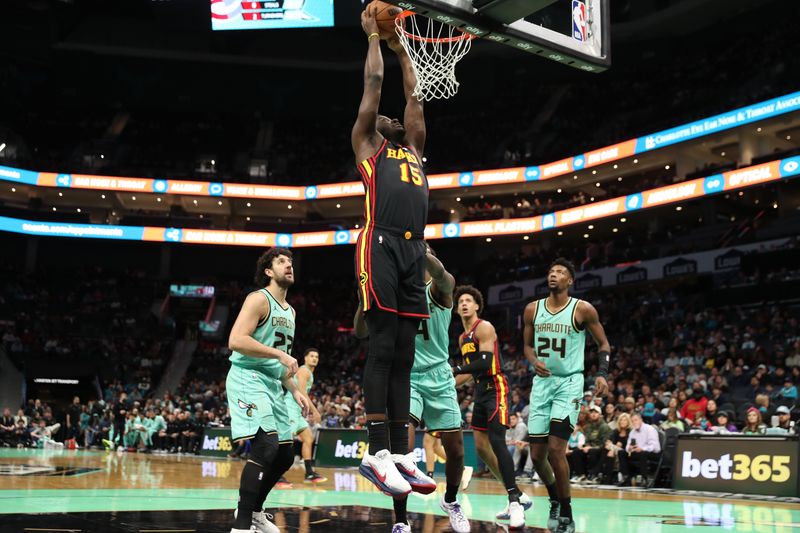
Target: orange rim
400	19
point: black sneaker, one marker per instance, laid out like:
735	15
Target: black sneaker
565	525
313	477
552	519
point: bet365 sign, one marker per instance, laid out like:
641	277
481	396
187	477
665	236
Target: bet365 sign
747	465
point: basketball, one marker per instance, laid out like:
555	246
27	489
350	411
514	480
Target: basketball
385	17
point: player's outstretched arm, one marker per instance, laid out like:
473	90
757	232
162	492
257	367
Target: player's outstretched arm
414	116
365	137
527	341
591	320
255	309
443	281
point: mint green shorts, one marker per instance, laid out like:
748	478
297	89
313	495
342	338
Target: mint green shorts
434	399
256	401
554	398
297	422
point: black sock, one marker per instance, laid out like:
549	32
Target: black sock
450	493
378	436
249	488
398	437
400	505
552	492
566	508
513	495
309	466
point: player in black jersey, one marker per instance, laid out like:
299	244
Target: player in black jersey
482	364
390	260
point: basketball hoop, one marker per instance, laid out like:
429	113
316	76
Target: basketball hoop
434	49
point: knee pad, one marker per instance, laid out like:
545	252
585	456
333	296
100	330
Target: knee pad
264	448
561	429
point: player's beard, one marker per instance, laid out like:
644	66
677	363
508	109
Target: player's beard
284	282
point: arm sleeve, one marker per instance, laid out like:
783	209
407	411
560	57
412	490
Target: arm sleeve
480	366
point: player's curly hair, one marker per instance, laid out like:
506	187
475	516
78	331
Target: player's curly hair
472	291
265	261
566	263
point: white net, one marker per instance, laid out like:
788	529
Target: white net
434	49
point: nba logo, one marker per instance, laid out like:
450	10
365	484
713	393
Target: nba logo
579	20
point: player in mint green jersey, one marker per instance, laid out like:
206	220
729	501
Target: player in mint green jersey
261	365
304	379
554	341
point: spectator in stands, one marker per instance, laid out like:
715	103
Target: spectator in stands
794	359
617	443
643	445
784	418
73	419
754	425
6	428
723	424
576	441
517	442
588	457
700	422
673	421
698	402
789	390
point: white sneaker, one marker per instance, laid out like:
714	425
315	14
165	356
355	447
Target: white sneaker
252	528
419	481
381	470
524	501
466	477
517	516
401	527
458	522
261	522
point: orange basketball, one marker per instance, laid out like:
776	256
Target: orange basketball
385	18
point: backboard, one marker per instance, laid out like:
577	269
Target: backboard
572	32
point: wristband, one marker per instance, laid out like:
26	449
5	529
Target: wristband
371	35
603	361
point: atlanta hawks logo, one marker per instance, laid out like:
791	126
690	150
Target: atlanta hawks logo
248	406
362	278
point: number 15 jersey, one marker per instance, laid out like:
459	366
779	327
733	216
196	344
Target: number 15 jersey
559	342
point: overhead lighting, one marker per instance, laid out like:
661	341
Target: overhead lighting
488	239
585	235
525	238
201	215
213	162
559	191
635	161
775	205
337	206
575	177
666	167
424	159
597	184
619	178
458	199
561	233
623	219
788	138
591	226
103	196
13	189
79	210
452	211
758	130
194	202
741	193
722	154
158	199
54	208
133	198
102	156
615	230
591	199
113	213
219	202
616	166
594	172
357	226
61	194
248	219
679	208
290	206
2	146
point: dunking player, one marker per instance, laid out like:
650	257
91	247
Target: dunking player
433	390
304	379
482	363
261	340
554	343
390	264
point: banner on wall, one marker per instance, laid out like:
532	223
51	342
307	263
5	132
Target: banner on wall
476	178
711	261
766	465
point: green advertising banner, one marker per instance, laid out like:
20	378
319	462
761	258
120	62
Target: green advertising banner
216	442
346	447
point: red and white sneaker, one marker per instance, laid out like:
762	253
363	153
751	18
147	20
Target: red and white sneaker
419	481
381	470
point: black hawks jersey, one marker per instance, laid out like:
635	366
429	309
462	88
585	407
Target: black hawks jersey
396	190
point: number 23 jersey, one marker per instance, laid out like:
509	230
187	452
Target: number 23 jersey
558	340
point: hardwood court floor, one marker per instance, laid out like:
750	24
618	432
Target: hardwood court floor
42	490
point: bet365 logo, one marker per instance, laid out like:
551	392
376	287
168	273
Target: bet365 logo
772	468
350	451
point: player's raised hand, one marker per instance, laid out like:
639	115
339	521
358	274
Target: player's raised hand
541	369
290	363
600	386
368	19
302	401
